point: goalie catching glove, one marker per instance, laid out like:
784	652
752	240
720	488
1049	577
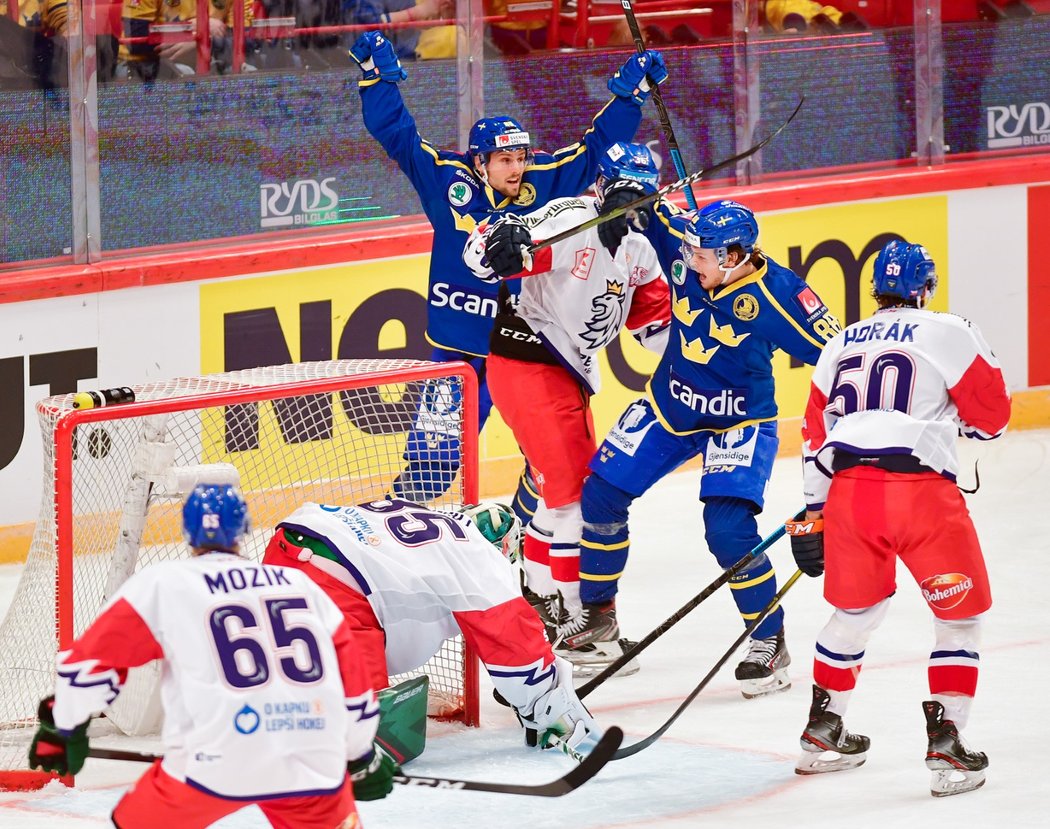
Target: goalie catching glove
373	775
807	544
56	751
615	195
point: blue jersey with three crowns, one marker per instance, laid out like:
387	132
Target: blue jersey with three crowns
461	308
717	372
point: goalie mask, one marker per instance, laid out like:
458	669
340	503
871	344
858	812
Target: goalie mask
499	525
214	517
906	271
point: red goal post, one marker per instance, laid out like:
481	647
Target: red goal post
115	478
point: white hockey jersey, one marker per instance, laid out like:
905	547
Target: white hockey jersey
263	691
584	296
415	566
902	382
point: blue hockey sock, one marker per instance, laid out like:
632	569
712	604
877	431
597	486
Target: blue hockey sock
526	497
732	532
605	543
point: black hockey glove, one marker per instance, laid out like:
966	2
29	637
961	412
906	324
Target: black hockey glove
373	775
807	544
616	194
53	750
506	246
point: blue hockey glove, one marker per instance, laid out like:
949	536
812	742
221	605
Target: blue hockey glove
807	544
616	194
373	775
57	751
633	78
506	246
377	58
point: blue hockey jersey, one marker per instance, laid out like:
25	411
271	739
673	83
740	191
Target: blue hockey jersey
461	308
716	372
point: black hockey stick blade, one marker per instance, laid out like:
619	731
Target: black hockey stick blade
603	752
634	748
682	612
641	201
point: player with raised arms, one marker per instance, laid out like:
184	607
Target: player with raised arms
501	173
266	695
889	397
407	578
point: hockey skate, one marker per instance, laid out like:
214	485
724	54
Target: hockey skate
591	641
764	669
955	768
548	608
826	744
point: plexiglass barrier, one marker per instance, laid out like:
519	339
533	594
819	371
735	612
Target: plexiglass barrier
143	123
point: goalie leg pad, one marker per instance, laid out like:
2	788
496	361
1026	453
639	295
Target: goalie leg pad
403	718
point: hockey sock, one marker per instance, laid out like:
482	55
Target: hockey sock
536	559
566	525
526	497
953	666
731	533
433	461
839	652
605	542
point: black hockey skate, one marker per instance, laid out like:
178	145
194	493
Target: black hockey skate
826	744
764	669
590	640
955	768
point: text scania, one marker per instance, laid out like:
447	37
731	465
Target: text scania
1024	126
724	404
301	202
444	295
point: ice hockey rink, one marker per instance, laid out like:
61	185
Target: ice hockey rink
727	761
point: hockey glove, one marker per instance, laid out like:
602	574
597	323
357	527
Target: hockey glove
373	775
377	58
807	544
60	752
507	246
618	193
633	78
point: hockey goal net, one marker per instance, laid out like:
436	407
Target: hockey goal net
115	478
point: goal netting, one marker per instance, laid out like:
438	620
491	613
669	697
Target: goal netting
115	478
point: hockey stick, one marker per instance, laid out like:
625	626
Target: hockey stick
634	748
684	611
603	752
641	201
661	109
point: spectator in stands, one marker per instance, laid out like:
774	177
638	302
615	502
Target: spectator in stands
516	37
32	47
409	42
148	62
808	15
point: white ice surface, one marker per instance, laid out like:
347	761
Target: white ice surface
729	762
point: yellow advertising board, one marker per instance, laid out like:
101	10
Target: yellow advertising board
377	309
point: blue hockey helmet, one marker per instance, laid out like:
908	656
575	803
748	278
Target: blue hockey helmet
630	161
493	134
214	517
906	271
720	225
